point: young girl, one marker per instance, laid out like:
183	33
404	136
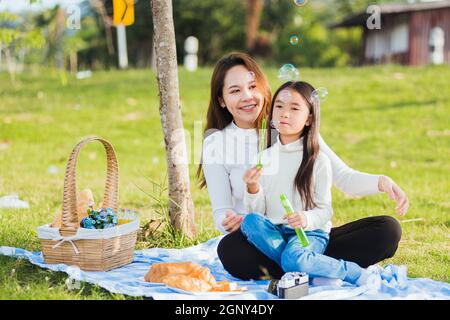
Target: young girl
295	166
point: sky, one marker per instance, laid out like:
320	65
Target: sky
20	5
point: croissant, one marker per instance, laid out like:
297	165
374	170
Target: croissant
187	283
187	276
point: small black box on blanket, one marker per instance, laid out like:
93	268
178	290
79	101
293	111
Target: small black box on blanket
292	285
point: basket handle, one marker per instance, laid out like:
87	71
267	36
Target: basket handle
69	221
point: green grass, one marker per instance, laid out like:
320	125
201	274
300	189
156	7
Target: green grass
391	120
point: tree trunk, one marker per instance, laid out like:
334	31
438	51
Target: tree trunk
99	6
181	207
11	65
73	61
253	19
59	39
153	58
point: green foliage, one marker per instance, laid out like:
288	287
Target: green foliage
319	45
84	38
343	8
17	34
7	36
219	26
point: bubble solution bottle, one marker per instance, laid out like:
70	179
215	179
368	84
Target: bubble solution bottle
289	210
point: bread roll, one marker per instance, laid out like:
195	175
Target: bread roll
85	199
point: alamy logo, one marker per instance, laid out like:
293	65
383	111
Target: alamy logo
73	17
374	21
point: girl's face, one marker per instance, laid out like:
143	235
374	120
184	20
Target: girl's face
290	113
241	96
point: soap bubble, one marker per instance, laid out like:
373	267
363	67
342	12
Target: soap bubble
294	40
319	95
285	96
300	2
251	76
274	124
288	73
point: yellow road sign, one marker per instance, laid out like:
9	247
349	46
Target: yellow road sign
123	12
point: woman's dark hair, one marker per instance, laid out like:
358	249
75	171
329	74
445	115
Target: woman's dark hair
217	117
310	134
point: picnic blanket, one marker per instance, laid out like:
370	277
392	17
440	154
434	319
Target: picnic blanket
129	279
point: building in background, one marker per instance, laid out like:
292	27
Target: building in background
410	34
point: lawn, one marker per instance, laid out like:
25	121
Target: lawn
392	120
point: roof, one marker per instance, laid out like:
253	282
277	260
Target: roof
391	8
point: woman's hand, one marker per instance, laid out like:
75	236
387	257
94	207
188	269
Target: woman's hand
251	179
232	222
386	184
297	220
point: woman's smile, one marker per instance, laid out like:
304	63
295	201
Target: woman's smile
248	108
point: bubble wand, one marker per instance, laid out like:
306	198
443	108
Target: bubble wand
289	210
262	142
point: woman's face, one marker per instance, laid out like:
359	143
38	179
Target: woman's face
290	113
241	96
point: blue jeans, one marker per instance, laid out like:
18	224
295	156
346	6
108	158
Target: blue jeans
281	244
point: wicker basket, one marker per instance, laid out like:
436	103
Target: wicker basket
90	250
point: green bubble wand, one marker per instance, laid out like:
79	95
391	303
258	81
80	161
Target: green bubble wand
289	210
262	142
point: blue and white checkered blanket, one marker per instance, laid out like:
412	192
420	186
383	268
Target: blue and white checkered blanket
129	280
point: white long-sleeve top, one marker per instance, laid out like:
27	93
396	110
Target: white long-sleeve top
227	154
281	164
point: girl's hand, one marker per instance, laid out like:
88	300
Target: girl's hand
251	179
232	222
386	184
297	220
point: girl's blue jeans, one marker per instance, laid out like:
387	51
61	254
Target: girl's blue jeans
281	244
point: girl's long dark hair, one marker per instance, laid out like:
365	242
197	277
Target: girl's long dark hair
304	178
217	117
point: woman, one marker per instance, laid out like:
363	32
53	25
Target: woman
240	99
